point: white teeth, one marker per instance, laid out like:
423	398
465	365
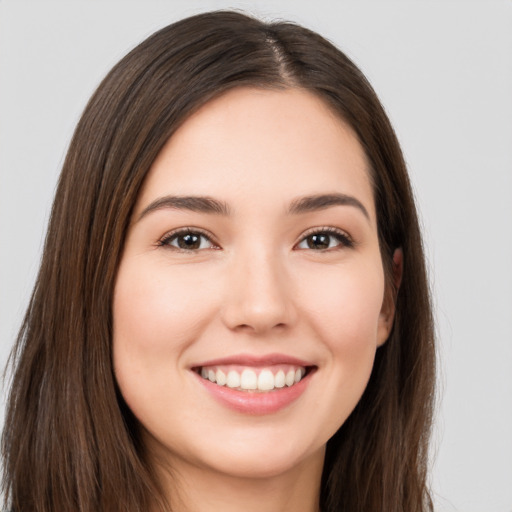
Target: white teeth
290	378
220	377
279	379
249	380
233	379
265	380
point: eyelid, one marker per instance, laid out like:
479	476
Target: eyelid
346	239
349	241
163	241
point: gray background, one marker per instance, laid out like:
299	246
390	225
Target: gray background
443	70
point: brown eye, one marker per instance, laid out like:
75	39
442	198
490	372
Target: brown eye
319	241
188	241
325	240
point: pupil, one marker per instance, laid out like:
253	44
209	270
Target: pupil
189	241
318	241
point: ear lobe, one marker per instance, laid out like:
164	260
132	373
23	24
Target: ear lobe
387	313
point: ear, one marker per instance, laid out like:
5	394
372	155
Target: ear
387	313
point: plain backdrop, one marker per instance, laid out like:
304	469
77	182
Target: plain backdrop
442	69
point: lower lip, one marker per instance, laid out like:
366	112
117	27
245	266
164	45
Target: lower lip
251	402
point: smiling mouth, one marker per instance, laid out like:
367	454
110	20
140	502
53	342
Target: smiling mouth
254	379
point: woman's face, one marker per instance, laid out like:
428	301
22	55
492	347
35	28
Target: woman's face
252	261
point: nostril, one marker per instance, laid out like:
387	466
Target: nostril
257	327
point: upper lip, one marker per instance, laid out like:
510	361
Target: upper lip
255	360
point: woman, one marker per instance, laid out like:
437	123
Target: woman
232	307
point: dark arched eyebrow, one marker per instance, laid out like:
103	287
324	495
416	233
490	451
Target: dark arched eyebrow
322	201
205	204
201	204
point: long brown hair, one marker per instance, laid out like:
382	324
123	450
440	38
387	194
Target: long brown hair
70	443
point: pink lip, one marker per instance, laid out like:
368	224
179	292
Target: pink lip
249	402
252	360
256	403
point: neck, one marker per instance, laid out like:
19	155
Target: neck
196	489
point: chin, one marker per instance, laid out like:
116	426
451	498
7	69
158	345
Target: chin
262	463
250	454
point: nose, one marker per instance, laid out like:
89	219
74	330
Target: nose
259	294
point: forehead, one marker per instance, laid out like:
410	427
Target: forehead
261	145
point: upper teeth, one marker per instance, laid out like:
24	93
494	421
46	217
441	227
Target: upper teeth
254	379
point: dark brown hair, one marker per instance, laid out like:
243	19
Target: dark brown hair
70	443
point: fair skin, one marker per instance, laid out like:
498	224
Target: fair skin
264	275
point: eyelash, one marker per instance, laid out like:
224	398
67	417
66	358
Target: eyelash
345	241
169	237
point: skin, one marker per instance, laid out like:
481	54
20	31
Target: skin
256	288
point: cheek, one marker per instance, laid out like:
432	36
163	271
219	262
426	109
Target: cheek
156	310
346	303
343	310
157	313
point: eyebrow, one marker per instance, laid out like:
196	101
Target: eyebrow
323	201
201	204
205	204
